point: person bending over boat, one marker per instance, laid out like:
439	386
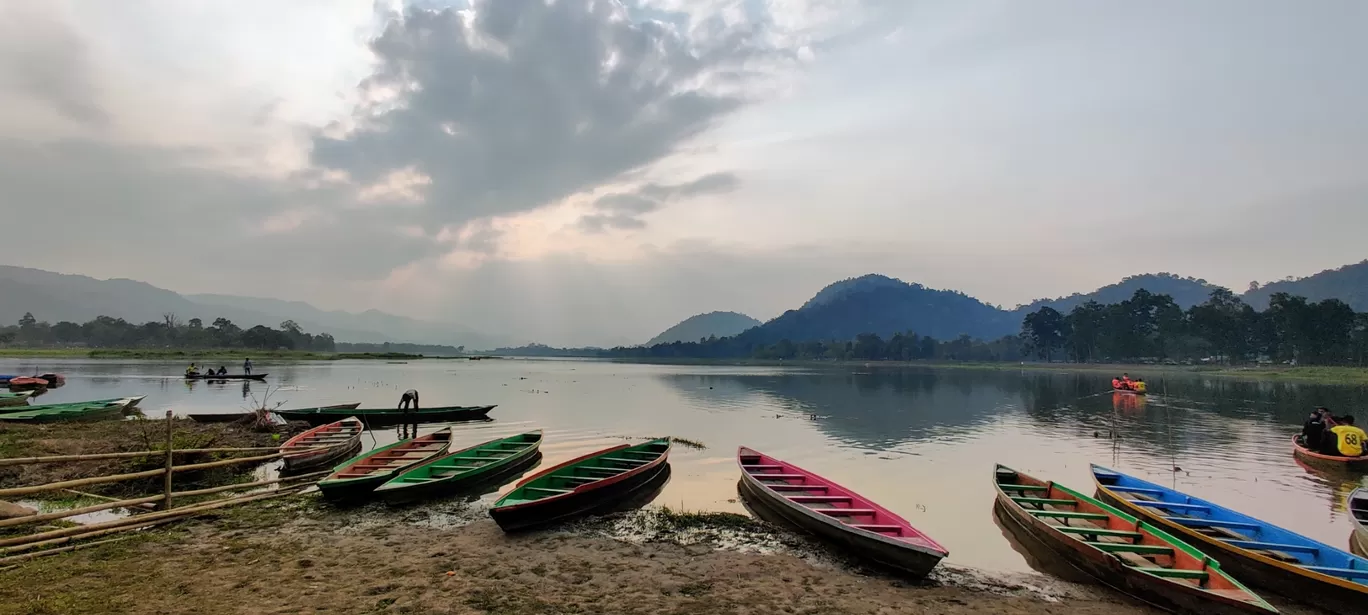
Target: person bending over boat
1349	440
410	397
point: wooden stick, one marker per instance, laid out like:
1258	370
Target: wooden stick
36	554
100	497
59	514
185	511
170	464
182	494
71	539
114	478
15	461
227	462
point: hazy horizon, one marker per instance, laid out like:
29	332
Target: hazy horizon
578	171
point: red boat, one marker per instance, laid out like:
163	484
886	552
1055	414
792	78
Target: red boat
25	383
1328	462
836	514
323	445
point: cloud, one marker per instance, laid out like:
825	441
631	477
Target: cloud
624	210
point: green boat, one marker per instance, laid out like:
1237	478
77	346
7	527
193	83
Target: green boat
459	471
355	478
16	398
385	417
588	484
86	410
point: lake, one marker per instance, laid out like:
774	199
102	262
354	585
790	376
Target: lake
920	441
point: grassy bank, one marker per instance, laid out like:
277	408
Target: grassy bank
204	354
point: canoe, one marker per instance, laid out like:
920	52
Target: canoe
17	398
384	417
1261	553
230	417
1357	503
53	380
226	377
454	473
340	439
581	486
25	383
1328	462
1132	556
78	411
359	476
836	514
1129	391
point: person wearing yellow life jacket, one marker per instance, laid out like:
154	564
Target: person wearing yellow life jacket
1349	440
1138	385
192	370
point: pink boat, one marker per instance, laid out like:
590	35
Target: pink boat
835	514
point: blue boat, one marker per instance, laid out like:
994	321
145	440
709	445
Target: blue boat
1253	551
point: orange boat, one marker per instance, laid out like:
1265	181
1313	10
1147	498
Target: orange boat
1328	462
323	445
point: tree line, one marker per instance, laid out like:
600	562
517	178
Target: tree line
1223	329
865	347
170	332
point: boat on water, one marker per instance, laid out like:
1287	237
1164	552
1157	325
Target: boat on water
231	417
84	411
581	486
323	445
385	417
459	471
1357	505
226	376
1327	462
1258	552
1129	392
1119	550
357	477
16	398
27	383
836	514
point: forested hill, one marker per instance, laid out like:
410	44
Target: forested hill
1186	292
702	326
1348	284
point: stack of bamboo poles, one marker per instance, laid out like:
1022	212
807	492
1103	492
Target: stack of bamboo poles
20	548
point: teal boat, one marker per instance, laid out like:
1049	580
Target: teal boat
16	398
386	417
584	485
456	472
86	410
355	478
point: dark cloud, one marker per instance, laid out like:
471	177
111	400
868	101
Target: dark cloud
529	101
623	210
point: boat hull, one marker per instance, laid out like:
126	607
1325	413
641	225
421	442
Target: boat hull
557	510
389	417
231	417
400	491
313	459
1281	578
15	399
1328	462
1357	505
228	377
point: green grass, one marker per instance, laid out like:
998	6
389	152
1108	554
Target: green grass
203	354
676	520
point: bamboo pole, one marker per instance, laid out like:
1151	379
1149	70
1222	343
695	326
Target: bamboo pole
15	461
37	554
260	483
95	534
11	544
59	514
81	482
170	464
95	496
228	462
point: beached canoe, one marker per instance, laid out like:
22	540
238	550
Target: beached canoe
226	377
459	471
357	477
836	514
581	486
1327	462
1132	556
385	417
230	417
338	440
1257	552
17	398
82	411
1357	504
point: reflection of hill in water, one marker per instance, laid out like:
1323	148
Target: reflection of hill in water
878	409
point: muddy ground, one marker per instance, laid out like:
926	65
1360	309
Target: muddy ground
298	556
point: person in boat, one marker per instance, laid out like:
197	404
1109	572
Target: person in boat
1139	385
247	366
1349	440
192	370
222	371
1313	430
1116	384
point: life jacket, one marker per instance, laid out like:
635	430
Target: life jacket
1116	383
1140	386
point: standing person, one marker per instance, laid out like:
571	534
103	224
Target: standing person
1349	440
247	367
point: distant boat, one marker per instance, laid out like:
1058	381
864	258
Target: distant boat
581	486
1124	553
26	383
226	376
230	417
384	417
836	514
85	410
1258	552
456	472
323	445
1328	462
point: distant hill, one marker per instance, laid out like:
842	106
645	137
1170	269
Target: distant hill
694	328
883	305
1348	284
1186	292
55	297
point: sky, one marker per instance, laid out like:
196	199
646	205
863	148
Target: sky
593	171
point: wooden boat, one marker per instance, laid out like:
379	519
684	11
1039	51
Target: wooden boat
359	476
836	514
323	445
230	417
384	417
1129	391
226	376
581	485
17	398
1119	550
1261	553
77	411
1357	504
1327	462
456	472
26	383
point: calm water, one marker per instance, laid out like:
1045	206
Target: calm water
921	442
